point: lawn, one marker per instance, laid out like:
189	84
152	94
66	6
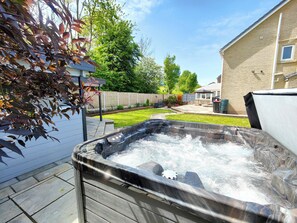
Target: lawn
133	117
211	119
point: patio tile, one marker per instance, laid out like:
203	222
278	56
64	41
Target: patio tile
50	172
62	210
42	195
4	199
67	175
5	192
24	184
38	170
20	219
8	183
8	211
61	161
71	181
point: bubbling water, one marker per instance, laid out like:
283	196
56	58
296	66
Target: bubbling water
227	168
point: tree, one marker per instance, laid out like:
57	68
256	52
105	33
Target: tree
149	75
115	49
34	55
172	72
187	82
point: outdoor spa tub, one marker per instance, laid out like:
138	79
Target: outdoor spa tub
108	191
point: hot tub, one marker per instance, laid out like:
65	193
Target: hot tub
108	191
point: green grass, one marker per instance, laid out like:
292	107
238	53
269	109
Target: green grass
211	119
123	119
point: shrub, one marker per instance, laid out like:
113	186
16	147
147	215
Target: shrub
144	104
137	105
120	107
129	106
180	99
172	99
147	102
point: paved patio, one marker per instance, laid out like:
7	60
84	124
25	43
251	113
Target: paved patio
46	194
195	109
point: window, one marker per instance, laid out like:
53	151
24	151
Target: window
287	53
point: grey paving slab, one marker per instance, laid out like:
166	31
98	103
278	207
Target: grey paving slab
20	219
67	175
50	172
8	210
62	210
3	200
24	184
109	128
42	195
5	192
8	183
38	170
64	160
71	181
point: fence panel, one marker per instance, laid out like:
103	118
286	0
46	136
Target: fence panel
110	99
188	97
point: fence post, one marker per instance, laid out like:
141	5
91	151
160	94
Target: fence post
129	103
104	101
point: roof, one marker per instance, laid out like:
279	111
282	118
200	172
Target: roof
90	81
255	24
209	88
83	66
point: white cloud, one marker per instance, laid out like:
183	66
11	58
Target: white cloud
228	26
136	10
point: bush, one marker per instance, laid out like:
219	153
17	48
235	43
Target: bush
137	105
147	102
180	99
144	104
129	107
120	107
172	99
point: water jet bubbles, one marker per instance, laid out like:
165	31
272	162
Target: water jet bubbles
226	168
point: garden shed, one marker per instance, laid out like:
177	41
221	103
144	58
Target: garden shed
42	152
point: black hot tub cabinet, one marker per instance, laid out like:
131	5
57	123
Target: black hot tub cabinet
110	192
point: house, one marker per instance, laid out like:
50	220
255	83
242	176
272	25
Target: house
205	94
262	56
42	152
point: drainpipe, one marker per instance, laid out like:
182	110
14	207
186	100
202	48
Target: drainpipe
276	50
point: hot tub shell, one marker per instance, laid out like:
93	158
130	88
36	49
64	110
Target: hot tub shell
111	192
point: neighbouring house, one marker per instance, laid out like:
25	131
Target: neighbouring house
205	94
42	152
262	56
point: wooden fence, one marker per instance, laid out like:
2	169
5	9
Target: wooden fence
111	99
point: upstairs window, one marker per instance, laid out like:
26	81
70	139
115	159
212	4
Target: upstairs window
287	53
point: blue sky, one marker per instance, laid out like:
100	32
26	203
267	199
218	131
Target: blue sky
193	30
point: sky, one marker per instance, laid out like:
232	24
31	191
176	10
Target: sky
193	30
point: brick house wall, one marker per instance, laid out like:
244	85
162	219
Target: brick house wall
248	63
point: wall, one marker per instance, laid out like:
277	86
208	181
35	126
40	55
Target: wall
110	99
41	152
255	52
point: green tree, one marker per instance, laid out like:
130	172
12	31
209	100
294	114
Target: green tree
115	49
187	82
149	75
171	73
